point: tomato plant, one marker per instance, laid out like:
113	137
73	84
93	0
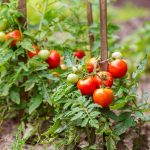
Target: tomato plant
64	106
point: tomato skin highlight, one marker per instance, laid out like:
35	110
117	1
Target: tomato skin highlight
86	86
91	64
53	60
16	35
79	54
103	78
118	68
103	97
31	54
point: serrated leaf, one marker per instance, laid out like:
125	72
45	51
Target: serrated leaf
35	103
84	122
94	114
77	116
5	56
94	123
122	126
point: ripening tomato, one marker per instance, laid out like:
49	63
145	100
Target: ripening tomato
79	54
103	97
53	60
86	86
16	35
118	68
103	78
44	54
91	64
2	36
33	53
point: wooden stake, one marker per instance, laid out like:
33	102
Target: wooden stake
103	30
90	22
5	1
22	8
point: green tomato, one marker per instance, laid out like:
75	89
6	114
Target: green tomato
72	78
77	69
44	54
2	36
3	24
116	55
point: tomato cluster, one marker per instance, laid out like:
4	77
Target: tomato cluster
52	58
98	83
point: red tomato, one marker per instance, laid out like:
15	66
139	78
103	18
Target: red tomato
103	78
16	35
103	97
118	68
86	86
33	53
79	54
54	59
91	64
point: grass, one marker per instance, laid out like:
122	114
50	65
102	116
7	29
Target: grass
127	12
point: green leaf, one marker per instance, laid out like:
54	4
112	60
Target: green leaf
29	86
5	56
35	103
84	122
94	123
94	114
77	116
141	67
15	96
123	125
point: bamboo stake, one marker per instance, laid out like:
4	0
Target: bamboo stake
104	45
103	30
90	22
23	9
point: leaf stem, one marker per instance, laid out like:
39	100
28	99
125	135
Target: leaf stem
88	134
